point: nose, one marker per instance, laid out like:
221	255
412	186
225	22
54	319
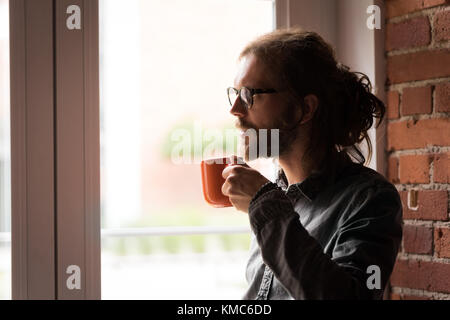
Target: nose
239	109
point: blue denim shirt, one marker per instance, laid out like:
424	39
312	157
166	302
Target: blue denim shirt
317	239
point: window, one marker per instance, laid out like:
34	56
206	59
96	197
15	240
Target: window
5	157
165	66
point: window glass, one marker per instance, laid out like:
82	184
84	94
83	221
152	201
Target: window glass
165	66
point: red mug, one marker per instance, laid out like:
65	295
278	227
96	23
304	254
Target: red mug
213	181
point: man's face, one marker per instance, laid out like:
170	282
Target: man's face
269	111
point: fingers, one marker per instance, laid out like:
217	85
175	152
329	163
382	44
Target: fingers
232	170
235	160
235	164
230	174
225	189
230	185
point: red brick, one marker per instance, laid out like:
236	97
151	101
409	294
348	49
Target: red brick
397	296
416	101
414	32
411	297
425	275
409	135
414	168
431	205
442	97
396	8
421	65
433	3
442	26
393	170
393	102
442	242
441	168
417	239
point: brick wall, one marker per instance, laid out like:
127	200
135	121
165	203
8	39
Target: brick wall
418	143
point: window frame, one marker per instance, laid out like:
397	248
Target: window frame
49	232
32	162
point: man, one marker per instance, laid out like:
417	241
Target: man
329	228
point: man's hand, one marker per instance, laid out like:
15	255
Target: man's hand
241	185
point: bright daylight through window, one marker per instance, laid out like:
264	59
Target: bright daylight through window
165	67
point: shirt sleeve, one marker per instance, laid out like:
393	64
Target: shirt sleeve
370	235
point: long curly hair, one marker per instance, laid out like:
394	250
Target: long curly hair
301	63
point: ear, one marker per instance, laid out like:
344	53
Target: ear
310	105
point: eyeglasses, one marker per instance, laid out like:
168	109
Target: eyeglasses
246	95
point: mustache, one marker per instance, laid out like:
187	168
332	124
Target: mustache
242	125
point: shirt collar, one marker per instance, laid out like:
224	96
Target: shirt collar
316	181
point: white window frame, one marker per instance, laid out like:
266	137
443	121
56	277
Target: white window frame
55	170
32	165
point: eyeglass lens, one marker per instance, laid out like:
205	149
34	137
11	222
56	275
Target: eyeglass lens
245	94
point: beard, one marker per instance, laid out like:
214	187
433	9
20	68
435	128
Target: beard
272	142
